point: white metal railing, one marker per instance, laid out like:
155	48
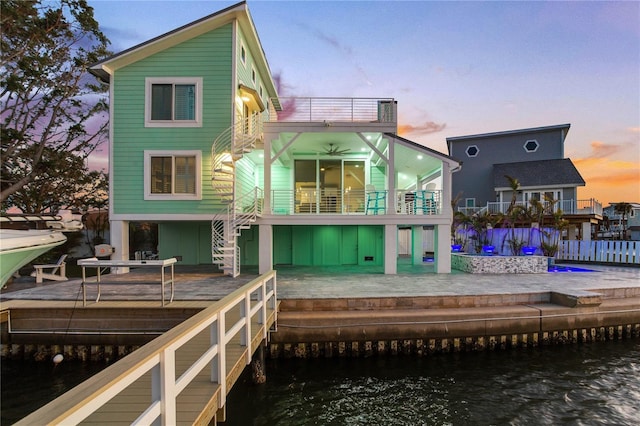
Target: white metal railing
159	358
381	110
567	206
626	252
331	201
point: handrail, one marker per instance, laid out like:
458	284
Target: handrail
567	206
159	358
335	109
349	201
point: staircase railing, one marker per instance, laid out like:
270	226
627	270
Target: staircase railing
229	147
226	228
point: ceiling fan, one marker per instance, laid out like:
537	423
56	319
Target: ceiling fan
334	150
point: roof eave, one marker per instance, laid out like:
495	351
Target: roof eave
563	127
411	144
171	38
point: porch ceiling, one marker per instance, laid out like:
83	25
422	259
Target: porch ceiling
409	163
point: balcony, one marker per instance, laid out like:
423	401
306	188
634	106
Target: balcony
329	110
354	202
568	207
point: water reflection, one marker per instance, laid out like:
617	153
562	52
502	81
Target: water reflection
590	384
596	383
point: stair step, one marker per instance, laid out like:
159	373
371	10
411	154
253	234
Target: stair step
224	177
219	257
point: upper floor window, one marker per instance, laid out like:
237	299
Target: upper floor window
253	75
172	175
243	54
173	102
472	151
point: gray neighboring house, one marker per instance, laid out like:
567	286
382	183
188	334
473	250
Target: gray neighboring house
535	157
613	224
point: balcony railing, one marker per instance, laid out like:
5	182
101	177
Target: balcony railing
568	207
332	110
332	201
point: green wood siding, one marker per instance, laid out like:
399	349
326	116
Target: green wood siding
282	248
349	255
189	240
281	178
325	245
249	246
207	56
245	176
243	72
377	177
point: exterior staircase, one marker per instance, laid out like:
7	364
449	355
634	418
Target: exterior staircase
242	210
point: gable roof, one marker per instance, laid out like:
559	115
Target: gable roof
239	11
542	173
453	163
563	127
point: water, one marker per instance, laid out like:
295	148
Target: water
577	384
596	383
28	385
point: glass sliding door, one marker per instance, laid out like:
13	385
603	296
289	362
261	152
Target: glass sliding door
354	186
330	186
330	183
306	186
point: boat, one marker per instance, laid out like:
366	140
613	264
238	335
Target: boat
19	247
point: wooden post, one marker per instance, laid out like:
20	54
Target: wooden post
258	373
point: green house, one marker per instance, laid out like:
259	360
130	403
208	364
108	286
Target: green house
231	174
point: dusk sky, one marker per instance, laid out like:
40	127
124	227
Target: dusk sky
455	68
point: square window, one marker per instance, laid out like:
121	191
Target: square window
173	102
172	175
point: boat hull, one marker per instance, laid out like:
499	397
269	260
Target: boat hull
18	248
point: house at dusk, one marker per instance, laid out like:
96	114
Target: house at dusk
535	157
202	147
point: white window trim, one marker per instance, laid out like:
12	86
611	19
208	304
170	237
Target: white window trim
149	81
147	175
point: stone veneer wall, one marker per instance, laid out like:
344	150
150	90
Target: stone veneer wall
499	264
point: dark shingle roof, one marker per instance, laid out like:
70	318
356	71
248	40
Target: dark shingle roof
560	172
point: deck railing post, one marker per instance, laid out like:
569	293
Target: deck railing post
246	336
262	295
156	388
168	387
219	367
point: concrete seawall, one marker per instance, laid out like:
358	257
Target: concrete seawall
432	324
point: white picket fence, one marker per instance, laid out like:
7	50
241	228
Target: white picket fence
624	252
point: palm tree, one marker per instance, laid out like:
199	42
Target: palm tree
515	185
623	209
550	238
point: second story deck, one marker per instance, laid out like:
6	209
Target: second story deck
355	202
334	110
568	207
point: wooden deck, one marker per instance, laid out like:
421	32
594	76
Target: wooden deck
177	378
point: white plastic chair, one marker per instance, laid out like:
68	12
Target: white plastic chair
56	271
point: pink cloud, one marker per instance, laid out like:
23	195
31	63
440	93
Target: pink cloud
422	129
